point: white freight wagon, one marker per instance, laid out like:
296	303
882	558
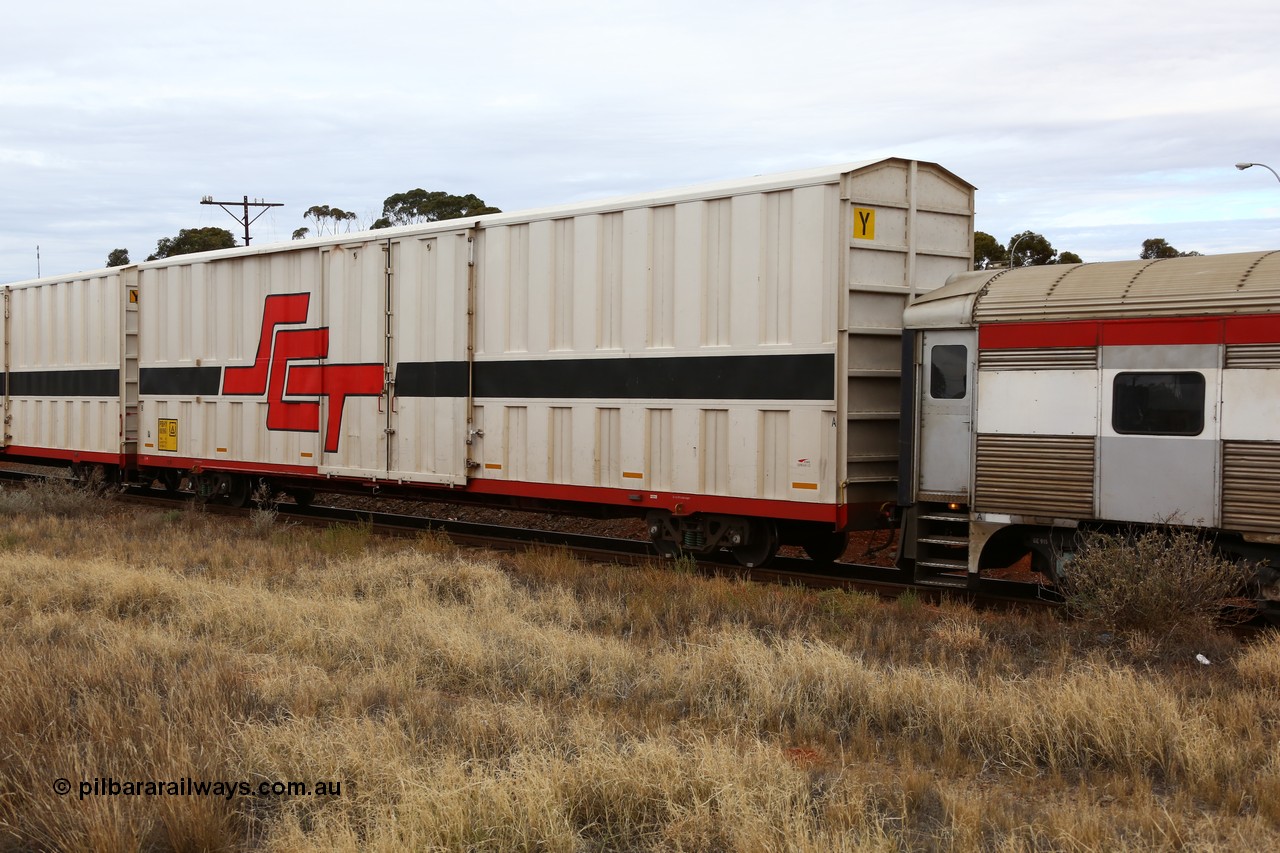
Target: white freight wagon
723	360
70	379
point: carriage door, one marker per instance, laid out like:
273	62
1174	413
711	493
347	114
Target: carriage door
1159	434
946	412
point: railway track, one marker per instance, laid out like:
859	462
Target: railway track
885	582
882	581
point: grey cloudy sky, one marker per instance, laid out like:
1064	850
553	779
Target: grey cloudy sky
1098	124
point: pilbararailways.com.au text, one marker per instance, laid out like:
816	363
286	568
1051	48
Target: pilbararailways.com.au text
188	787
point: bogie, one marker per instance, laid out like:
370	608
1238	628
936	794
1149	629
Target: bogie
753	542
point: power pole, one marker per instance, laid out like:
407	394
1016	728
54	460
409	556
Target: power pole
246	204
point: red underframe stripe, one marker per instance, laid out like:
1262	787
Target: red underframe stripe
152	461
681	504
68	455
1171	331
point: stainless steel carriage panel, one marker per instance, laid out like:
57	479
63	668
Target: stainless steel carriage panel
1037	425
1251	439
1152	474
66	374
1251	404
1038	402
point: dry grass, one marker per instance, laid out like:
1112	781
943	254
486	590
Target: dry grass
467	701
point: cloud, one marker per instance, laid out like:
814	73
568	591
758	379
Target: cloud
1088	118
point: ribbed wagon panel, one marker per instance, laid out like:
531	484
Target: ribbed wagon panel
1039	358
754	315
741	339
1250	500
1253	355
1036	475
64	359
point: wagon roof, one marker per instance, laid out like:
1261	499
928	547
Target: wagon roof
718	189
1243	283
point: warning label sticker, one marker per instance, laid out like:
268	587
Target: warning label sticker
167	438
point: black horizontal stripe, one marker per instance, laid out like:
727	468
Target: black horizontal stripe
782	376
180	381
727	377
431	379
64	383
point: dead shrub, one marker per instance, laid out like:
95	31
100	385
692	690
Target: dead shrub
50	496
1165	580
266	509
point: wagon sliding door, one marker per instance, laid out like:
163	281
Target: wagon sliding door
430	354
351	379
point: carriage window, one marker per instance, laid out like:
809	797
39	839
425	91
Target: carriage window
1158	403
948	372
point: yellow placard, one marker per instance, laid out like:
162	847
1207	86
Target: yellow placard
167	434
864	223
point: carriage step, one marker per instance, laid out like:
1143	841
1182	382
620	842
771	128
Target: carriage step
956	517
939	539
939	564
950	581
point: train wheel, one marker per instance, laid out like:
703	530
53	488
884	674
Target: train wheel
667	550
661	536
762	547
170	479
94	479
302	497
1046	565
825	547
240	491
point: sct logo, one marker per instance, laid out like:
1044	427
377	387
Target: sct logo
272	374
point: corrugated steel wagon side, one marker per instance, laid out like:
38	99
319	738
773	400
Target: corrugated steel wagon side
70	380
723	360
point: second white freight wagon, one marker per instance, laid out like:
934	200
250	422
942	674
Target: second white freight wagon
70	381
723	360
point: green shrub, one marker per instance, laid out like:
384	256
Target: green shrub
1163	580
346	540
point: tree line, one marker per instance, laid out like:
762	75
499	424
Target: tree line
407	208
1029	249
412	207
